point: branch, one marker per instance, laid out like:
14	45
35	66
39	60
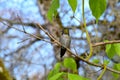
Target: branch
104	22
105	43
16	22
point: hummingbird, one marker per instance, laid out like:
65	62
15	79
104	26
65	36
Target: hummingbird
65	42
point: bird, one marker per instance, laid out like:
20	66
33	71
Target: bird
65	41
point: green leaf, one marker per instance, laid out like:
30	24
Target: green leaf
110	50
106	62
116	67
57	66
55	70
116	76
76	77
96	61
117	48
56	76
97	7
73	4
70	63
52	12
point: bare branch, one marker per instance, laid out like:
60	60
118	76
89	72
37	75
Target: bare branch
105	43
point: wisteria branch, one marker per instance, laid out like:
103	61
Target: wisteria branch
105	43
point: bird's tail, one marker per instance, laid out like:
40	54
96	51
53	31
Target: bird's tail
62	51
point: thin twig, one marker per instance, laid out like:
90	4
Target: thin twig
23	40
104	43
38	25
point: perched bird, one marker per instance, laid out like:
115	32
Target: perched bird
65	41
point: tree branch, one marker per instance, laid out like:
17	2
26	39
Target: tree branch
105	43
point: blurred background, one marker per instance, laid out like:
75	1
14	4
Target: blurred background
28	58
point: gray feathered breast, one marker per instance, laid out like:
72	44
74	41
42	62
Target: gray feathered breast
65	40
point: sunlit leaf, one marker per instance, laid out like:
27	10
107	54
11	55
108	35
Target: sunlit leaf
56	76
116	67
117	48
52	12
97	7
106	62
76	77
96	61
54	71
73	4
70	63
110	50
